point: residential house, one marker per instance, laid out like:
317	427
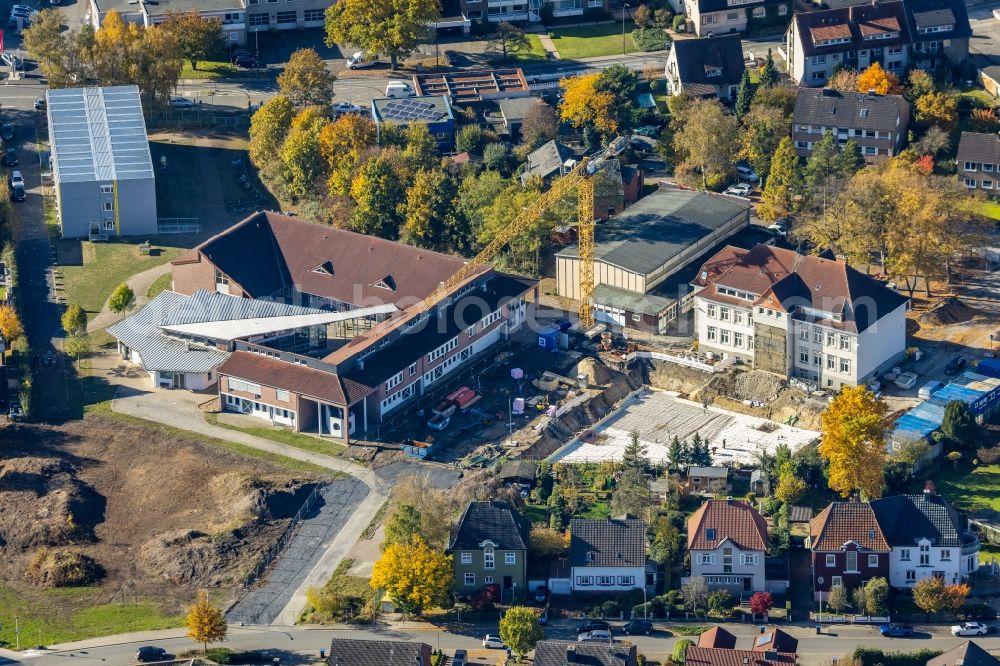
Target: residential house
706	67
550	160
989	77
928	537
709	480
727	540
103	174
608	555
848	547
489	546
921	33
386	357
432	111
810	317
494	11
566	653
979	161
718	17
619	187
700	656
717	637
877	123
820	42
965	654
643	247
365	652
775	640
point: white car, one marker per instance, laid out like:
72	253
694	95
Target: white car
746	172
969	629
595	636
181	103
778	230
741	190
346	107
359	61
493	642
16	179
23	9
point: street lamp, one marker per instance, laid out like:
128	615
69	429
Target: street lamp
625	7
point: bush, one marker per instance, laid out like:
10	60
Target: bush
650	39
470	139
769	505
679	22
988	456
219	655
680	650
864	656
673	596
62	568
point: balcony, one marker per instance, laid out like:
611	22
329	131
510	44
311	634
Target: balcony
970	544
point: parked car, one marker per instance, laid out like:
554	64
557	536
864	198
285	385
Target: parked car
17	193
360	61
636	627
16	179
246	61
181	103
647	131
638	144
956	365
746	172
896	630
397	89
23	9
10	157
6	131
593	625
239	53
596	636
493	642
969	629
778	230
541	593
39	104
460	657
150	653
740	190
347	107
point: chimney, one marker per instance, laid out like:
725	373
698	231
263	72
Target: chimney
570	654
871	91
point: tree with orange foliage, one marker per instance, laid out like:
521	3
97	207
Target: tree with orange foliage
854	443
583	105
877	79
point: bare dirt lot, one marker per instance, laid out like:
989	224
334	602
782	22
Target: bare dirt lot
160	515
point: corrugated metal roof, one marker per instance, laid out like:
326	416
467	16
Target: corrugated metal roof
98	134
233	329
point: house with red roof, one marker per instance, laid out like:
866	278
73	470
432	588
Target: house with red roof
727	540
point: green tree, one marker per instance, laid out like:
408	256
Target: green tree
74	320
403	524
476	194
877	596
392	27
198	37
744	95
520	630
698	451
783	183
205	622
622	84
507	39
470	139
420	151
50	47
823	164
836	598
790	489
680	650
345	144
269	126
768	72
379	194
77	346
667	542
523	250
763	129
851	158
705	143
958	427
430	210
720	603
675	453
496	157
122	299
301	159
631	495
305	80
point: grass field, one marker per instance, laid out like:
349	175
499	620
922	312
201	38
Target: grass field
208	69
990	209
534	53
47	617
969	488
104	266
161	283
282	436
590	41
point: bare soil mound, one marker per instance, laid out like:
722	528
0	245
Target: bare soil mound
948	311
62	568
755	385
597	373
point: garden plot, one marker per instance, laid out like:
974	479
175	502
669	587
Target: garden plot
659	416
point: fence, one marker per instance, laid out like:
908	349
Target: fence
279	546
687	360
178	225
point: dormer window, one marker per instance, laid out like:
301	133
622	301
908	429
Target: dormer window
326	268
388	282
710	534
713	71
590	556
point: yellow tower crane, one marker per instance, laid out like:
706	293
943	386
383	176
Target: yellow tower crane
580	179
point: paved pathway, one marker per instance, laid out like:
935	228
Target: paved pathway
179	410
140	283
549	46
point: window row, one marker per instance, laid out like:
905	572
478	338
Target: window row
978	166
606	581
509	559
851	563
442	350
244	386
985	184
724	336
397	397
723	313
283	18
849	132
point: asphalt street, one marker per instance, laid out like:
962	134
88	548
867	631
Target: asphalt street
302	644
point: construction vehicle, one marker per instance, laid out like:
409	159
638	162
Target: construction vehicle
579	179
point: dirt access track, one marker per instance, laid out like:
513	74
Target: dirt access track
161	514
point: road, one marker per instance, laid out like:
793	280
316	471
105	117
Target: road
298	644
985	42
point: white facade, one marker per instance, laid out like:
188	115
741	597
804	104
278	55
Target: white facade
725	329
728	566
909	564
607	579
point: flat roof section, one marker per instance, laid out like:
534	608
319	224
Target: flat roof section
658	416
98	134
473	86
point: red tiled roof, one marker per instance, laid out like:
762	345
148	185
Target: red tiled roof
735	520
299	379
776	640
701	656
717	637
842	522
821	33
879	25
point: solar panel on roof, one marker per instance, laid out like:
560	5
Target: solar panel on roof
411	109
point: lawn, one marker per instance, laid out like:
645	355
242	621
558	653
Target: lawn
161	283
105	266
590	41
534	53
208	69
990	209
282	436
979	97
47	617
345	595
969	488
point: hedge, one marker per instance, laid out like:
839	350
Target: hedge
873	657
650	39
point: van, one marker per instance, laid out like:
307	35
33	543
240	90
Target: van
359	61
399	89
746	172
928	389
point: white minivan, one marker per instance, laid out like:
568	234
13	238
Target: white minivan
399	89
359	61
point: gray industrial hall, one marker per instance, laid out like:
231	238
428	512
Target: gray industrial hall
101	167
